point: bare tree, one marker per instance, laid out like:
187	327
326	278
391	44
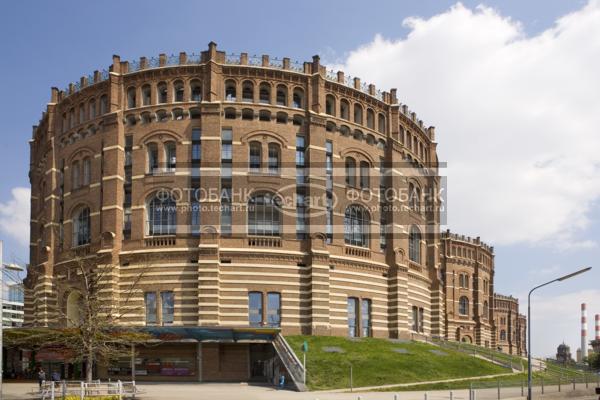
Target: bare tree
87	322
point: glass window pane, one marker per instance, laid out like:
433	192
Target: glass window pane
255	308
168	307
150	299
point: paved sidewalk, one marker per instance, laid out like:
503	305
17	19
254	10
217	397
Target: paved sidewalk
215	391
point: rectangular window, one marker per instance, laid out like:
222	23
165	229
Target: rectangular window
171	156
364	175
86	171
151	312
365	315
167	300
273	162
226	143
300	216
421	320
196	150
225	211
195	218
352	317
255	309
415	318
273	309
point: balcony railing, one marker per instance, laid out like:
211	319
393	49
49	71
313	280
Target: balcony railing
264	242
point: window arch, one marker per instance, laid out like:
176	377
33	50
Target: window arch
330	105
381	123
463	305
131	97
265	93
146	95
178	91
298	98
356	226
161	90
281	95
273	161
81	227
414	244
255	156
161	215
364	175
358	114
195	91
370	119
345	109
248	91
230	91
264	215
350	171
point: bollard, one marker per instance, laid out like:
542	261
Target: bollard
451	395
586	382
82	391
64	388
474	395
498	389
522	388
559	385
395	396
52	390
573	383
425	396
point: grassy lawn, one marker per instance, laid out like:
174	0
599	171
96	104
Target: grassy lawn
374	362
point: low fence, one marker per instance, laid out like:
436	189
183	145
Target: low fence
73	390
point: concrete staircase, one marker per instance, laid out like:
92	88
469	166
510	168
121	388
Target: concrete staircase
292	364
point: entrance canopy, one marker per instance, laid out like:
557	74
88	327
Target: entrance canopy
208	334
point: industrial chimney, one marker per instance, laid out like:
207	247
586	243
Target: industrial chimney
584	345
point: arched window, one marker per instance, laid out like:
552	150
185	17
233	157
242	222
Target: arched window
161	90
463	305
72	118
264	115
281	118
502	334
92	108
330	105
81	227
248	114
350	171
178	91
87	170
298	98
75	175
414	199
146	95
414	244
248	91
152	158
255	156
73	309
103	104
265	93
273	158
358	114
161	214
196	91
81	114
131	97
345	109
230	94
364	175
356	226
171	156
281	95
381	123
370	119
486	309
264	215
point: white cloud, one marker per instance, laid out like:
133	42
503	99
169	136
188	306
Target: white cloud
517	117
14	215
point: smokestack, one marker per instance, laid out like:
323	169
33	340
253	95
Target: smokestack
597	326
584	345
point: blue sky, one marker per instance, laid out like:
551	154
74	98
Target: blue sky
54	43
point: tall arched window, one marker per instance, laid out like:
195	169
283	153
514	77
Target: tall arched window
414	244
463	305
75	175
161	214
356	226
87	170
131	97
152	158
248	91
345	109
196	91
265	93
330	105
264	215
298	98
103	104
178	91
146	95
230	92
370	119
381	123
364	175
350	171
81	227
281	95
161	90
486	309
255	156
171	156
92	109
358	114
414	199
502	334
273	158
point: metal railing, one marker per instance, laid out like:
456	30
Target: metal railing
290	360
51	390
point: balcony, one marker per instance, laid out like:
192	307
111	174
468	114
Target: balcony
160	241
264	242
357	252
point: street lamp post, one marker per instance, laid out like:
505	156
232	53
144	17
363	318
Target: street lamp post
529	369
